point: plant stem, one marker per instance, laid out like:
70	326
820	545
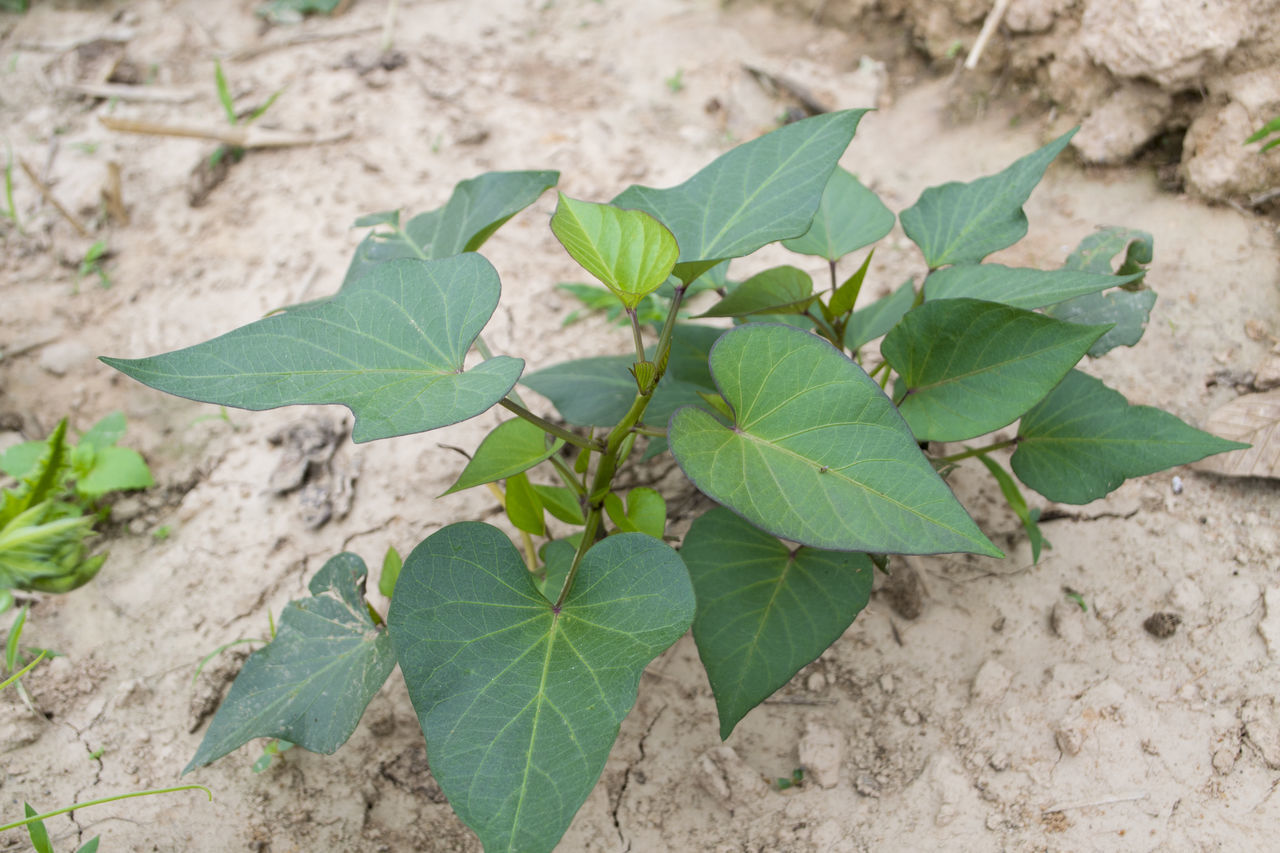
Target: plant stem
24	670
978	451
530	552
834	285
635	334
654	432
567	475
88	803
879	367
548	427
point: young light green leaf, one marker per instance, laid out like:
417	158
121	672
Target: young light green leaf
629	251
36	831
846	295
478	207
114	469
764	610
520	704
1020	287
874	321
645	512
524	507
1127	312
760	192
1263	132
106	432
960	223
1084	440
513	446
817	453
90	846
849	217
1017	503
561	502
224	93
391	564
311	683
390	348
969	367
780	290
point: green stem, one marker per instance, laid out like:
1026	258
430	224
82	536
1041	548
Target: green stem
24	670
88	803
547	426
567	475
884	365
635	334
530	552
653	432
979	451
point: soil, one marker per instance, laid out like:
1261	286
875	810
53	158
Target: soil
1119	695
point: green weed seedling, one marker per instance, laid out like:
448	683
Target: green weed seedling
1271	127
91	264
39	835
46	520
234	153
822	450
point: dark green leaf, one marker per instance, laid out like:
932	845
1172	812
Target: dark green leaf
969	367
310	684
879	317
817	453
849	217
1128	311
764	610
1095	252
513	446
963	223
762	191
1084	440
780	290
524	507
629	251
390	347
1017	503
557	559
1019	287
587	391
520	705
478	207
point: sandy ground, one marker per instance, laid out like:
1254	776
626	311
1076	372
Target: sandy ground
1002	717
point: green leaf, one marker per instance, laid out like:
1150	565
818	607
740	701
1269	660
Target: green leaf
760	192
520	704
1095	252
764	610
645	512
1084	440
524	507
969	367
817	453
21	459
513	446
960	223
557	558
90	846
390	348
114	469
391	564
385	217
1016	286
874	321
1266	130
562	503
849	217
477	208
780	290
1017	503
1127	311
106	432
629	251
224	93
311	684
36	830
846	295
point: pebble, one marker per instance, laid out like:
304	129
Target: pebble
866	785
816	683
1162	624
991	682
1069	739
886	683
821	752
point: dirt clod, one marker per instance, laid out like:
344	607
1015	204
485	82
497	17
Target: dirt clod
1162	624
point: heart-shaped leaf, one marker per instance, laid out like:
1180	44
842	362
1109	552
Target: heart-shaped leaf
849	217
764	610
760	192
390	347
1084	440
817	453
513	446
629	251
960	223
477	208
520	704
1019	287
780	290
875	320
969	367
311	684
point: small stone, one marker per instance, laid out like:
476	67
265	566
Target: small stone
866	785
1224	760
1176	484
816	683
1162	624
1269	626
821	751
991	682
1067	621
999	761
1069	739
59	358
886	683
911	716
1261	720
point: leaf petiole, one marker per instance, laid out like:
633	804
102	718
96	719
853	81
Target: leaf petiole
978	451
86	804
547	426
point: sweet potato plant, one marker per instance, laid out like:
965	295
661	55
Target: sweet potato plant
822	452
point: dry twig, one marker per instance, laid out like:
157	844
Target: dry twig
239	136
49	197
